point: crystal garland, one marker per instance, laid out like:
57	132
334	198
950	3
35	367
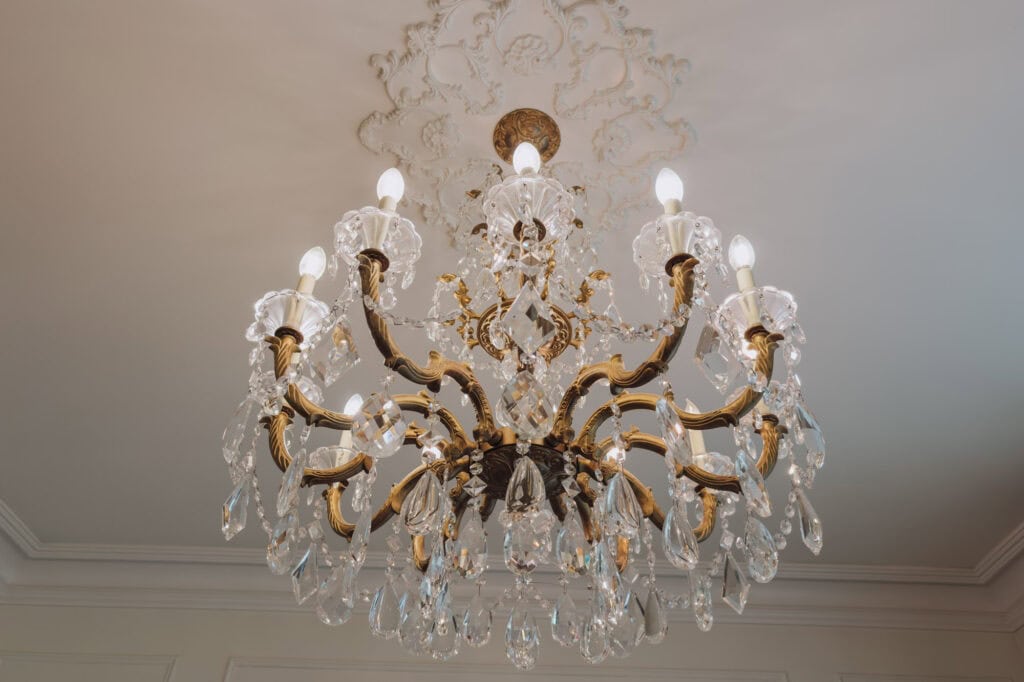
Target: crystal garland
531	251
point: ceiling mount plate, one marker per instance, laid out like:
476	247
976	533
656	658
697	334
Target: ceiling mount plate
526	125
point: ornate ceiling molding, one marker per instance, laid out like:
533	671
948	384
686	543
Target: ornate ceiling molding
610	90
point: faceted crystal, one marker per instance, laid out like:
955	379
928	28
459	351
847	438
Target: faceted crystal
735	587
606	575
443	638
470	555
476	622
378	427
680	544
622	511
700	599
288	493
713	359
434	587
594	641
423	508
528	541
336	597
565	621
361	536
628	629
677	450
330	457
528	320
384	611
655	618
524	407
236	509
433	435
305	581
522	638
810	435
412	632
341	357
571	547
762	555
752	484
281	548
474	486
713	463
237	429
525	487
810	524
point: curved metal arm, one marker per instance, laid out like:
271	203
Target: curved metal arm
276	426
371	267
613	369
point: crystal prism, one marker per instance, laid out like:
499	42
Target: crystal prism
524	407
336	597
700	599
565	621
525	487
528	320
341	357
603	568
378	426
434	585
712	359
810	435
528	541
735	587
237	428
679	542
622	510
594	641
522	639
384	611
476	622
288	493
677	450
762	554
443	638
361	536
810	524
235	510
470	555
423	509
281	548
412	629
655	618
474	486
571	547
752	484
305	581
628	629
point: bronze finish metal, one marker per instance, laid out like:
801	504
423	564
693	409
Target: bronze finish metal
526	125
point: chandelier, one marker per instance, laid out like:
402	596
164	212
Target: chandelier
527	306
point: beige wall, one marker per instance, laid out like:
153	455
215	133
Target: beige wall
89	644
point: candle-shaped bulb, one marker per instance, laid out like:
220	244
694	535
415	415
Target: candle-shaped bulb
526	158
313	263
668	187
741	253
391	185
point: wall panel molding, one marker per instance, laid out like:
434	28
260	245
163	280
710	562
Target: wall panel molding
86	666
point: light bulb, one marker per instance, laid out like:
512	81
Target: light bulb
391	184
668	187
526	157
741	253
313	263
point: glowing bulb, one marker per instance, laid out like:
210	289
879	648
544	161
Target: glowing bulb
526	158
668	187
353	405
391	184
313	263
741	253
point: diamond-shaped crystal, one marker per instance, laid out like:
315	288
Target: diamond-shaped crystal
677	450
810	523
474	486
336	597
735	587
572	488
762	554
524	407
752	484
288	493
378	427
713	359
236	509
528	320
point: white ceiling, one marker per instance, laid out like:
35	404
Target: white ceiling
166	163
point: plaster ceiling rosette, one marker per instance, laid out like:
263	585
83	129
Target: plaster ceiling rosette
604	83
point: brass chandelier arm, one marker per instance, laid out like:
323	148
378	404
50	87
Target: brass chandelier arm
371	267
770	433
613	369
276	426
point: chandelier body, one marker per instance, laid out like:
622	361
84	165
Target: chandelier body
569	500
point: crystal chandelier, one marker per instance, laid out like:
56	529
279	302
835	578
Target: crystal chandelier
528	306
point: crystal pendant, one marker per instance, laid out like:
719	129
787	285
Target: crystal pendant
336	597
528	541
700	599
305	581
713	463
433	436
628	630
341	357
331	457
522	639
384	611
810	524
470	555
235	510
378	426
655	618
281	547
476	622
594	641
677	450
810	435
712	359
606	575
735	587
752	484
525	487
361	536
762	554
622	511
528	320
679	542
565	621
422	510
412	632
443	637
571	547
524	407
475	485
237	429
288	493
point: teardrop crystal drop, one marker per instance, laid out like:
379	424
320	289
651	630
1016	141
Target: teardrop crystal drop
594	641
605	571
384	611
288	493
677	450
735	587
336	597
281	548
528	541
622	511
525	487
412	632
443	638
679	542
361	536
810	523
237	428
565	621
470	555
522	639
235	510
810	435
700	599
305	581
762	554
476	622
571	547
655	618
422	511
752	484
434	585
628	629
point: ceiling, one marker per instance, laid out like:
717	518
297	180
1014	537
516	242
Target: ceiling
166	163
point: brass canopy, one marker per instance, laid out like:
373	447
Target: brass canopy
526	125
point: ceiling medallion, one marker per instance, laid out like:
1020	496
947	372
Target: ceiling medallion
526	305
